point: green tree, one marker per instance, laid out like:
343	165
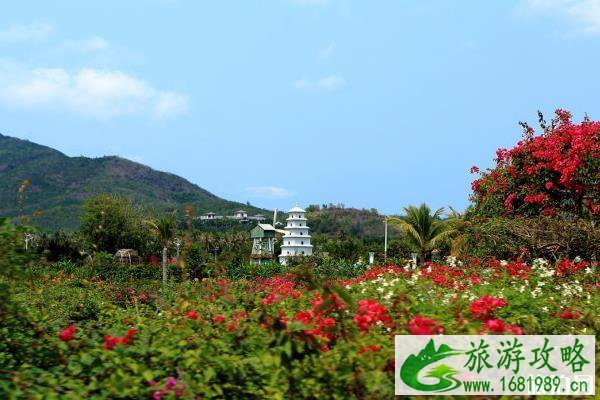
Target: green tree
424	230
164	229
12	259
111	222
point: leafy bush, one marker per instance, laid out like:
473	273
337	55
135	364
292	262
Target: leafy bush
111	222
60	245
251	271
273	337
196	260
530	238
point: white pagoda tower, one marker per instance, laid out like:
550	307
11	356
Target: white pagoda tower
296	241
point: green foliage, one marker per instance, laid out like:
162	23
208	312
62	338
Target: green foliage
60	245
251	271
257	356
530	238
196	260
111	222
12	260
332	221
425	231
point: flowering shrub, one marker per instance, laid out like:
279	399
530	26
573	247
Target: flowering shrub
67	334
483	307
370	312
220	339
420	325
554	172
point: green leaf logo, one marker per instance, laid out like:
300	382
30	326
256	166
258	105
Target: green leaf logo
413	365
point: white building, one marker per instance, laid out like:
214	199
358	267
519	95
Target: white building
296	241
240	214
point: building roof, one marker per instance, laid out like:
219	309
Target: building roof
267	227
296	209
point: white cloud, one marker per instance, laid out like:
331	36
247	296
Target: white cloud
326	84
327	51
94	43
90	92
169	103
23	33
584	13
269	192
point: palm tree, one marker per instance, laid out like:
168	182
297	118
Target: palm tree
164	229
423	229
457	225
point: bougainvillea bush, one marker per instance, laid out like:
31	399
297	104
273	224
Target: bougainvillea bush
554	172
284	336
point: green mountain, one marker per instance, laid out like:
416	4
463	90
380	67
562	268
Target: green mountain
331	221
58	185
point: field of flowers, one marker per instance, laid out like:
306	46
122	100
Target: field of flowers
296	335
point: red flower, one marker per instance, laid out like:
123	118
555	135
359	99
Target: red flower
370	312
566	314
110	342
535	198
514	329
304	317
219	319
483	307
499	326
129	336
269	299
192	314
474	169
240	315
494	325
420	325
567	267
549	185
370	347
68	333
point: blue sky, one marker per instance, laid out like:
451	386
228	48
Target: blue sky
371	104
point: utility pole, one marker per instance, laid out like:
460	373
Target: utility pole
385	241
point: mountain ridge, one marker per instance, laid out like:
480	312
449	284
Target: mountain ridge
59	184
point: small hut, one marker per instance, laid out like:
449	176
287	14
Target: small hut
127	256
263	243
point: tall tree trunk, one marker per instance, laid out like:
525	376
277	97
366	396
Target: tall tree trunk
164	264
